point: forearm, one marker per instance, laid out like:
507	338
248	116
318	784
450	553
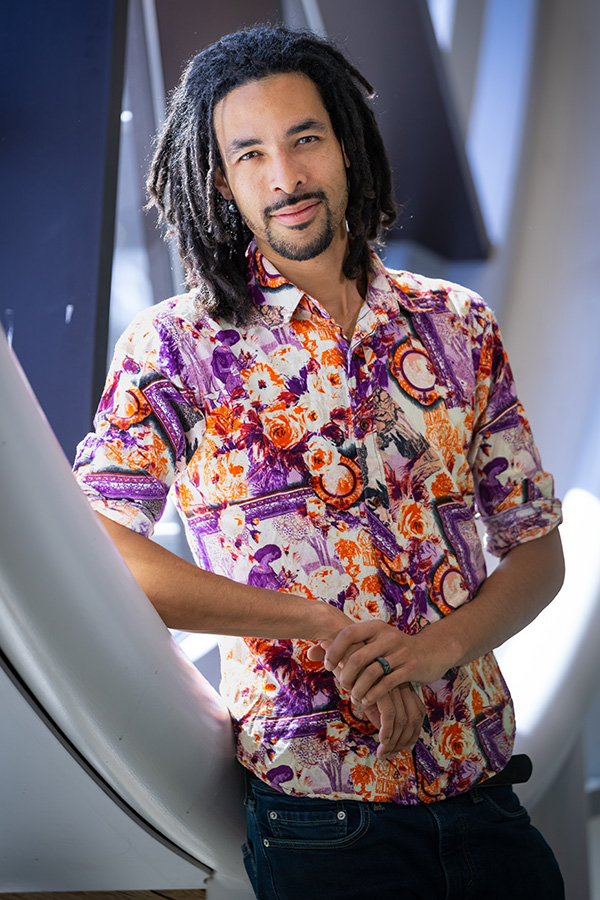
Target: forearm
192	599
523	583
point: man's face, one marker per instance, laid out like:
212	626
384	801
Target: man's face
283	166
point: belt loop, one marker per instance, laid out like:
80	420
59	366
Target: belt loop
475	795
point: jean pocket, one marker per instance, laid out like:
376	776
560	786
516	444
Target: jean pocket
502	801
293	822
329	824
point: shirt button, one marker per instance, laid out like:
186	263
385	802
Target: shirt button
375	502
364	424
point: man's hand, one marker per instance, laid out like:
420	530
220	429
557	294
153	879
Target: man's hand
353	653
397	712
523	583
399	716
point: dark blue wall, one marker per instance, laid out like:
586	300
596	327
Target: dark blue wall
61	76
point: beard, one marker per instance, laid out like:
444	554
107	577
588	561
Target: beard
298	251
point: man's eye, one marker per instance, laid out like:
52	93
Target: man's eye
308	139
249	155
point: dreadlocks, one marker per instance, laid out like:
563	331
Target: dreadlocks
212	236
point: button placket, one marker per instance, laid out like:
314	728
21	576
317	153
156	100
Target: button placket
375	471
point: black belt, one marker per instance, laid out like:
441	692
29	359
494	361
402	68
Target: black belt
517	771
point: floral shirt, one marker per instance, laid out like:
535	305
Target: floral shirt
347	471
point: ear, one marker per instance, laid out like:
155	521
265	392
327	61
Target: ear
222	185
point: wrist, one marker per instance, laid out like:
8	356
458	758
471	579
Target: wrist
440	642
328	621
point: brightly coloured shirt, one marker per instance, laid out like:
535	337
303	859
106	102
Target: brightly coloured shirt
350	471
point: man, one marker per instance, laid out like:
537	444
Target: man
328	429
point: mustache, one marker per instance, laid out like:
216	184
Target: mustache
293	199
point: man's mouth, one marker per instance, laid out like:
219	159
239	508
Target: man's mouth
290	213
295	215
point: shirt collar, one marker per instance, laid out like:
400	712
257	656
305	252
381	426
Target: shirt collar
277	298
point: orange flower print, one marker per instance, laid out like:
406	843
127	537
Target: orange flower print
349	553
224	480
329	382
222	421
263	383
371	585
332	356
284	427
299	587
185	497
149	455
477	703
321	454
306	334
414	521
444	435
456	742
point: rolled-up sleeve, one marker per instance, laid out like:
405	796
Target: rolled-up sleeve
146	428
514	495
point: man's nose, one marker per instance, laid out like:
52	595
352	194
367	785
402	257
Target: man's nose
286	175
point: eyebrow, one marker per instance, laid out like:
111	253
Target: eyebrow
307	125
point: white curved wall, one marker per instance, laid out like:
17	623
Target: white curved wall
90	647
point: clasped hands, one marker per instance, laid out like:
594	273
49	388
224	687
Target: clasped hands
389	701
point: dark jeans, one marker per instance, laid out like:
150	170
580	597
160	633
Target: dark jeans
479	845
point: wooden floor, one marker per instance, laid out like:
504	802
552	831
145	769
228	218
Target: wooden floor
109	895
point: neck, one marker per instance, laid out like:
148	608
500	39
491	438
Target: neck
323	279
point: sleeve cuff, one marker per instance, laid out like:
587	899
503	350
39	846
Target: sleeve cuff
129	516
520	524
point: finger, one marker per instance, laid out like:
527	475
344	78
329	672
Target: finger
409	715
392	741
392	725
350	638
360	658
405	729
371	684
316	653
415	714
338	660
373	715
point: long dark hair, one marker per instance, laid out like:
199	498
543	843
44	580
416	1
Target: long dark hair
212	237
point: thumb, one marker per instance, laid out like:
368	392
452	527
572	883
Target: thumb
316	653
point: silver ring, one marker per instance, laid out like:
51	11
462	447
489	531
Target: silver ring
384	664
